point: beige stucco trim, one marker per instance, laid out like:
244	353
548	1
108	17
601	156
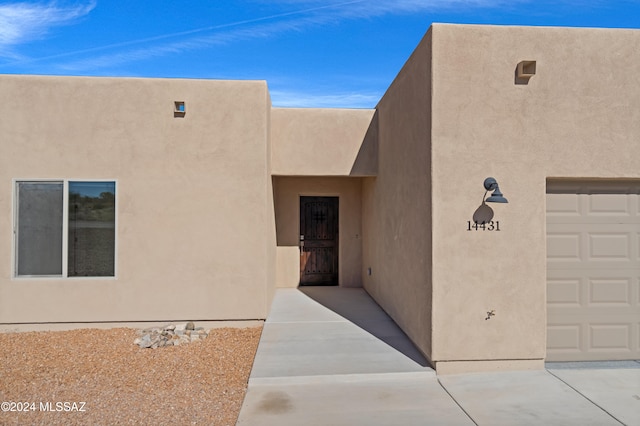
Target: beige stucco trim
462	367
52	326
323	142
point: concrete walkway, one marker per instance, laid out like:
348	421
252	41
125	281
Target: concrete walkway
331	356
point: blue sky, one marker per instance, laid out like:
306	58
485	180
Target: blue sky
312	53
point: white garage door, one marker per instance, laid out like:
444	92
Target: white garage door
593	271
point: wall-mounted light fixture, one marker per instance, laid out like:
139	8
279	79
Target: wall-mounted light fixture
490	184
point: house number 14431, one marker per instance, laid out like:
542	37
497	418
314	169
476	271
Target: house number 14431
483	226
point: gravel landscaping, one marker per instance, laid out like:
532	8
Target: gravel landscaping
101	377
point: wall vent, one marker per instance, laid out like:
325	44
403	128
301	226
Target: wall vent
526	69
179	109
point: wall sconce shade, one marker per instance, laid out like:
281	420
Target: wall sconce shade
490	184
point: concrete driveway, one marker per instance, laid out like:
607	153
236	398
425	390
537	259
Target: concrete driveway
331	356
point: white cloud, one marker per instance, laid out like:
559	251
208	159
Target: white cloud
300	15
28	21
372	8
176	43
22	22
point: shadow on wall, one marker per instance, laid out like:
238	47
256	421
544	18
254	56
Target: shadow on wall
483	214
355	305
366	162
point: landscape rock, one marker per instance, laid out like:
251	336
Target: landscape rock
170	335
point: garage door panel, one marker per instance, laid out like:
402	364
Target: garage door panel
591	314
564	247
609	338
592	219
607	292
610	246
559	205
563	293
590	272
593	271
581	339
564	338
593	288
610	205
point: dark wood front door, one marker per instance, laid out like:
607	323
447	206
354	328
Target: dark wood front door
318	240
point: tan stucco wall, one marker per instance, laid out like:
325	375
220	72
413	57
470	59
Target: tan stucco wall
287	192
193	195
271	247
578	117
397	203
322	142
454	116
204	232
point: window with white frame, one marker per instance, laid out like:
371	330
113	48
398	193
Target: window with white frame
65	228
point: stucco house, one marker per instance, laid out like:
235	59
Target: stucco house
131	200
